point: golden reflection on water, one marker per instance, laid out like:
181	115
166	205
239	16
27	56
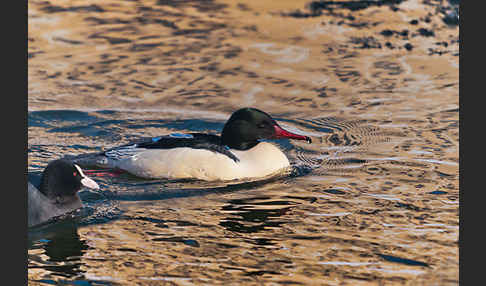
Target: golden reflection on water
176	60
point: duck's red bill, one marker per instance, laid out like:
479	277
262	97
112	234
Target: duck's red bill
103	173
282	133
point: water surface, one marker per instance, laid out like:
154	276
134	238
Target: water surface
374	200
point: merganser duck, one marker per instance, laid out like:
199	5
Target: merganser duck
55	192
237	154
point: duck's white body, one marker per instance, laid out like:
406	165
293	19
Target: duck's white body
178	163
238	153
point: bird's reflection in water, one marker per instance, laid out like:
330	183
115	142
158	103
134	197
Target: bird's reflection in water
252	215
61	244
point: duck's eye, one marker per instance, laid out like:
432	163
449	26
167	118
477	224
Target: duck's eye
262	125
75	174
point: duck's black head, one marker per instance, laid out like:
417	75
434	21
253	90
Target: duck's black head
247	126
62	178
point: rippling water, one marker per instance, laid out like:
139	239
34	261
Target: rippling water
373	200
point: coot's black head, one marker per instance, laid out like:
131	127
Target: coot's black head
248	125
62	178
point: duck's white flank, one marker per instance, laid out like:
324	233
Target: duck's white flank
178	163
